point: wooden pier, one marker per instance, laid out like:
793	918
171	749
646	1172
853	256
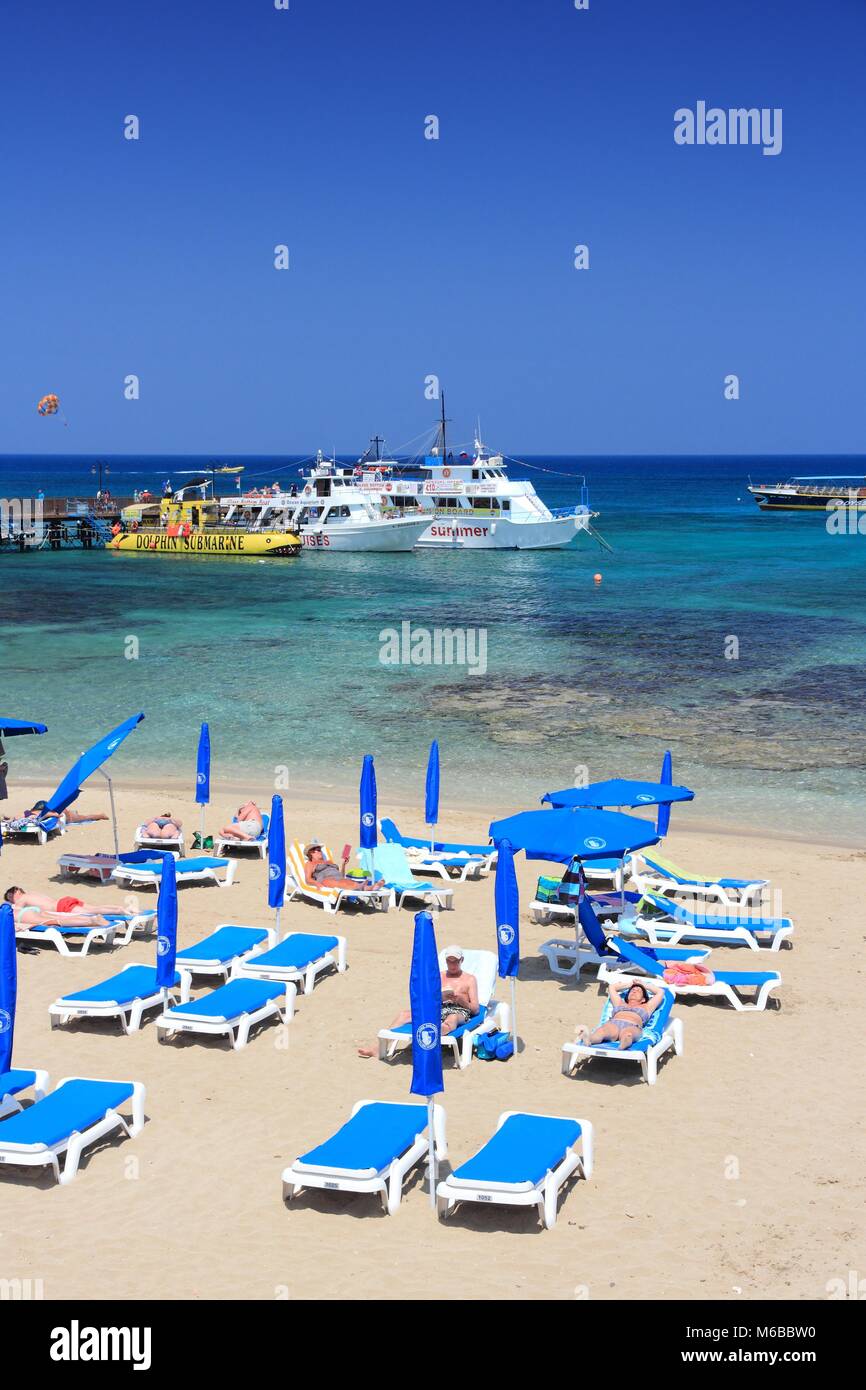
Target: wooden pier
58	523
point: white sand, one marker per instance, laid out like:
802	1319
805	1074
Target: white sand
193	1208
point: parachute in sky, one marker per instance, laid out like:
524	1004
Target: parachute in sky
49	405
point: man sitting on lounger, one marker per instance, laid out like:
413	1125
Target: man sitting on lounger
459	998
164	827
247	825
321	872
32	908
632	1011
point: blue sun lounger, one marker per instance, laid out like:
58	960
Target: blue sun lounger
259	844
726	985
298	959
380	1143
231	1010
76	1113
226	948
590	948
448	860
666	921
389	862
119	932
140	867
127	996
491	1017
13	1083
660	1035
525	1163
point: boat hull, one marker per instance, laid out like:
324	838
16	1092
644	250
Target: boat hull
476	534
279	544
386	536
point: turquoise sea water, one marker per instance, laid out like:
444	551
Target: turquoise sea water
283	658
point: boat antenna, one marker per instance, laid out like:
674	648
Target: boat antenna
376	441
442	424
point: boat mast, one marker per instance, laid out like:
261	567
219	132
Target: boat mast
442	423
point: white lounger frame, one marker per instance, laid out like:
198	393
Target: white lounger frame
732	899
680	933
10	1105
222	842
42	1155
442	863
575	1052
497	1020
544	1194
228	967
33	832
130	873
388	1182
237	1028
304	978
719	989
114	935
130	1015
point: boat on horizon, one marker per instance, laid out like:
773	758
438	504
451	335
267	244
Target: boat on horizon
816	493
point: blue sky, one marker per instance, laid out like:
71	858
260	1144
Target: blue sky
412	257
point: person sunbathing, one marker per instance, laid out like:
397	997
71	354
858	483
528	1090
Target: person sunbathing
459	998
632	1011
247	825
39	811
322	872
164	827
30	908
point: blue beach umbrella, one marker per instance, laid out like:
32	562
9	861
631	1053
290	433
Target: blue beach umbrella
425	997
431	789
202	773
507	904
663	820
618	792
90	762
166	924
561	836
368	804
11	728
8	985
276	857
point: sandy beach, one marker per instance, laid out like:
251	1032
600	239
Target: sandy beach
738	1176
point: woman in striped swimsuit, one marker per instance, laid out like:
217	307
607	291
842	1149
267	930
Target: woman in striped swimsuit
632	1011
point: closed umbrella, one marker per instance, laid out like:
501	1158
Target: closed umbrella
202	774
276	858
368	804
507	904
425	995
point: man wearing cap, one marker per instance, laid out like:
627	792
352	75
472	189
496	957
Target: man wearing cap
459	998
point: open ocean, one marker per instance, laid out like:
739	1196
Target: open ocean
282	657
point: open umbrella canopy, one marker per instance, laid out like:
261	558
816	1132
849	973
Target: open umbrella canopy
10	728
561	836
88	763
618	791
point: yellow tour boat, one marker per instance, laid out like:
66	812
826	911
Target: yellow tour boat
194	527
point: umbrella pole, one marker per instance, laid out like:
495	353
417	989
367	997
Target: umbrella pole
201	833
432	1139
113	812
277	916
622	886
514	1013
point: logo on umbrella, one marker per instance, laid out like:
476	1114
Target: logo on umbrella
275	872
506	934
427	1036
200	778
368	818
163	945
643	796
595	842
5	1021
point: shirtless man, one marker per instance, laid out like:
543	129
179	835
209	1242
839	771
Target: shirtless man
459	999
247	826
321	872
29	908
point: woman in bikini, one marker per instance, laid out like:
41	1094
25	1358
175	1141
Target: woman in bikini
164	827
632	1010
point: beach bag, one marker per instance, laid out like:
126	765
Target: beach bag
493	1046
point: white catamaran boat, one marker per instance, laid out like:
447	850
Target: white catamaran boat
330	510
473	504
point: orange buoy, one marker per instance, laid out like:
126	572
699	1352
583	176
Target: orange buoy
596	578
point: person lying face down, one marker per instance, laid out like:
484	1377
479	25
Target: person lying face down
164	827
633	1007
459	998
29	909
248	824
